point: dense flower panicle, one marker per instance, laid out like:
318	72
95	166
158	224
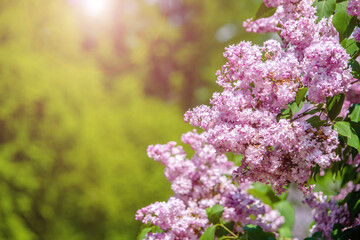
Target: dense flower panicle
326	70
285	152
175	218
242	207
275	152
316	47
259	82
353	8
327	212
196	178
259	77
303	32
198	183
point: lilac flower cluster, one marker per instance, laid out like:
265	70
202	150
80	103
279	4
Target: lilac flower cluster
327	212
316	46
356	34
241	206
177	220
353	8
197	184
199	178
258	82
246	119
326	70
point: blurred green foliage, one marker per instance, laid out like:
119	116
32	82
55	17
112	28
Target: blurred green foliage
78	108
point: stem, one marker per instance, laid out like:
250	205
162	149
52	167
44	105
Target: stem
355	81
233	234
355	55
304	113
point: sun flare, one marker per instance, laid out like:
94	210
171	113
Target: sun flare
95	7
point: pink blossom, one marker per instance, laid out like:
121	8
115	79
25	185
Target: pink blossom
327	212
258	82
353	95
200	182
353	8
326	70
356	34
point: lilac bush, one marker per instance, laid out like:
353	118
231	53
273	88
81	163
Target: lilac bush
199	183
289	111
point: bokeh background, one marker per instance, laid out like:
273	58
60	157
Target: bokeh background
85	87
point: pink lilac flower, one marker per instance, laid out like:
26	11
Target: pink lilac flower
196	178
265	25
273	3
258	82
353	8
248	210
326	70
286	10
177	220
346	190
355	162
353	96
200	182
259	77
327	212
356	34
304	31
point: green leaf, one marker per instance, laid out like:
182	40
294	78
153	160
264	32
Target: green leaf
257	233
350	46
300	95
264	11
260	191
343	128
349	175
237	160
315	171
286	210
355	67
352	201
324	8
209	233
353	141
294	107
341	19
355	114
214	213
143	233
334	105
146	228
317	109
315	121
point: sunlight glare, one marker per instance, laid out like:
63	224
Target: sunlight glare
95	7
